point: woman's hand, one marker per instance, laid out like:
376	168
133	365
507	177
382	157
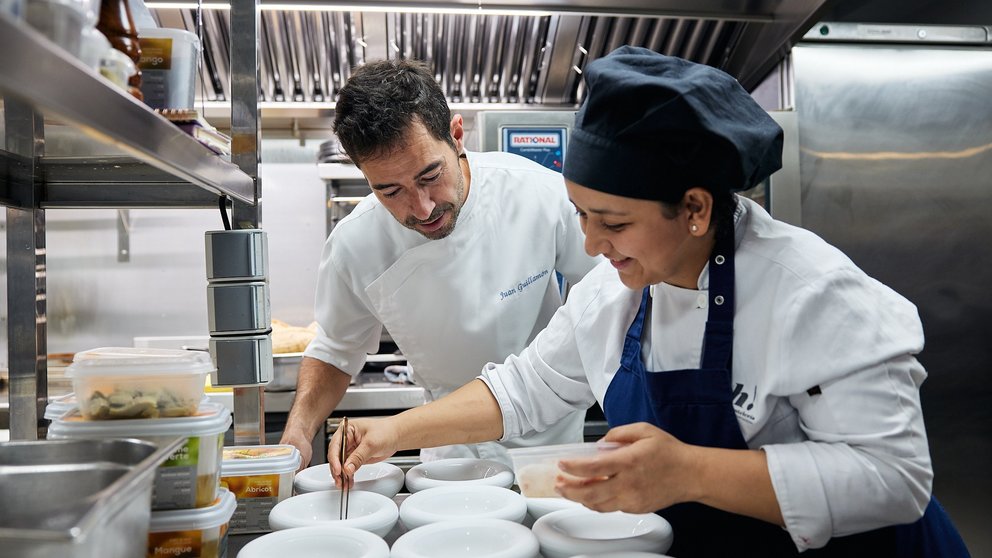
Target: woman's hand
648	474
369	441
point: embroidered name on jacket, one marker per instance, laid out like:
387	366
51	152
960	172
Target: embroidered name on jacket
744	400
520	286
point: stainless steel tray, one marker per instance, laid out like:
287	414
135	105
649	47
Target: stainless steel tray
286	368
77	498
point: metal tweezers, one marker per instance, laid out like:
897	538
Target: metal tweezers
344	479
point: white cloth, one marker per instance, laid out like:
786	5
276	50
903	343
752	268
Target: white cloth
853	458
451	305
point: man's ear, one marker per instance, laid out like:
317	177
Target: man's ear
458	132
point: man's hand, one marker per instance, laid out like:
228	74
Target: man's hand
300	441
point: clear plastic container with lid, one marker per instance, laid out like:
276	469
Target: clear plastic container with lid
189	478
199	533
128	383
536	467
260	477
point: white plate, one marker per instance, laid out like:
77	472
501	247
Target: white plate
314	542
620	555
382	478
368	511
538	507
566	533
446	503
459	470
467	538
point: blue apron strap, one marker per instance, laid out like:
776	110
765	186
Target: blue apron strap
632	341
718	343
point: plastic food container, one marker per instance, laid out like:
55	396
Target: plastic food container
60	406
13	8
93	47
168	66
191	475
117	67
61	21
259	477
128	383
199	533
536	468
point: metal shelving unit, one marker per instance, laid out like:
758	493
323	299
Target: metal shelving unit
162	167
56	85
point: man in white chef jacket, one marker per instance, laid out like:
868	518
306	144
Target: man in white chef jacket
455	253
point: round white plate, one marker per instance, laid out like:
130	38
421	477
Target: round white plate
314	542
446	503
566	533
620	555
368	511
539	507
382	478
467	538
459	470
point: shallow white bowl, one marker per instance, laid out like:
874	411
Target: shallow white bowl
566	533
314	542
445	503
368	511
459	470
539	507
382	478
467	538
632	554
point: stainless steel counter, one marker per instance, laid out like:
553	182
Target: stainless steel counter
370	392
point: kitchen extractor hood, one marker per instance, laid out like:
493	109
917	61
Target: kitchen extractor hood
510	52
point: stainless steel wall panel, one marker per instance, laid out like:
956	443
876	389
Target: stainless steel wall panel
896	155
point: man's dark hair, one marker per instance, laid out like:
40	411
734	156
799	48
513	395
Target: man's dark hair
379	103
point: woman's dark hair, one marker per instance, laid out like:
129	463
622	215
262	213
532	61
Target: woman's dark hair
724	206
379	103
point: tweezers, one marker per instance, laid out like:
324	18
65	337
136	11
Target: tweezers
343	512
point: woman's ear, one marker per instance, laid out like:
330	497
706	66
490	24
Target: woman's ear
698	203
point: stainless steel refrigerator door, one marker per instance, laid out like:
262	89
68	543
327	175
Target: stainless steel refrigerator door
896	171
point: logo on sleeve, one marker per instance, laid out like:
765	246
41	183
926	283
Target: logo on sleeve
744	400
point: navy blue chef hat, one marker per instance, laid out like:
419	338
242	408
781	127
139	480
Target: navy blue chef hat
653	126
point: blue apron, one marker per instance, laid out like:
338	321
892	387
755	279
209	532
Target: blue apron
696	407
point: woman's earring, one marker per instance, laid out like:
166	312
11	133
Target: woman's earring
694	228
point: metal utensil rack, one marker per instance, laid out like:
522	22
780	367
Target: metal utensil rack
163	167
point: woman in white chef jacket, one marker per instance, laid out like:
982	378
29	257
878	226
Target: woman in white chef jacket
765	387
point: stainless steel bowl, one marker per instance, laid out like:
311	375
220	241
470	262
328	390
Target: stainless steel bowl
78	498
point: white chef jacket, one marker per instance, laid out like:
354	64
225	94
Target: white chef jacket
852	458
451	305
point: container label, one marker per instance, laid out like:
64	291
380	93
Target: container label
176	544
175	479
256	495
254	486
156	54
210	542
185	455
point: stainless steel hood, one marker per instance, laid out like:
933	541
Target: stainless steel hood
511	52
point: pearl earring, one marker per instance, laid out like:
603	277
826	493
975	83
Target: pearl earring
694	228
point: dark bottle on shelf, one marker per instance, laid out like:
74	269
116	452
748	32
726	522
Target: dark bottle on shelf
118	26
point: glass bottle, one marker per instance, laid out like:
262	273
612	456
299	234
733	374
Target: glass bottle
118	26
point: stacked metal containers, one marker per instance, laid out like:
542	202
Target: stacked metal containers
238	307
